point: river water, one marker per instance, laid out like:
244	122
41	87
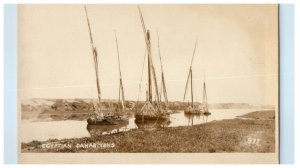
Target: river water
32	130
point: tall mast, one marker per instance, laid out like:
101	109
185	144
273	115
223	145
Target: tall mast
196	43
121	89
149	71
192	95
141	80
150	64
204	87
95	57
186	84
163	85
154	75
205	97
146	35
190	76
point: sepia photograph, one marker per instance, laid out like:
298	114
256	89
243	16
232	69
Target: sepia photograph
139	83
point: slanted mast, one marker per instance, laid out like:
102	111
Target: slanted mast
191	109
95	58
190	77
163	83
121	88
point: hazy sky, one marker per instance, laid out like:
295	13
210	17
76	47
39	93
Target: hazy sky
237	42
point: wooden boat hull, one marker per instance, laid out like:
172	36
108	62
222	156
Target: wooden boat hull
98	130
100	122
152	123
207	113
193	112
139	117
108	120
198	112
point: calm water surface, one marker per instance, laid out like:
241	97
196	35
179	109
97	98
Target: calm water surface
76	129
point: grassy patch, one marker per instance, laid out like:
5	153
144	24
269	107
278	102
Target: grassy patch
264	115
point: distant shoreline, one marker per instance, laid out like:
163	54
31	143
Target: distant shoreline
213	105
78	109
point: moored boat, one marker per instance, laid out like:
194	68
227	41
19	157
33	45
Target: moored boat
152	117
99	117
149	111
98	130
203	109
190	110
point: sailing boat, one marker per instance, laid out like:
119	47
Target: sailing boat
204	108
148	111
99	117
191	109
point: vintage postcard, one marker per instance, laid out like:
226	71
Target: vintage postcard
167	83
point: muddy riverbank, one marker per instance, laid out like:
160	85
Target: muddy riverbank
229	135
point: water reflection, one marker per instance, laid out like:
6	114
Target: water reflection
44	130
179	119
98	130
193	119
148	124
